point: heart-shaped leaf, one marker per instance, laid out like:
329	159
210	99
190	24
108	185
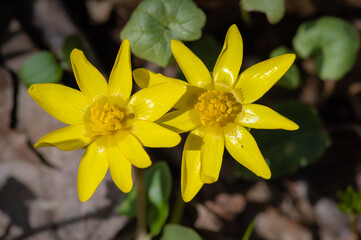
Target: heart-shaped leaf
155	22
332	41
274	9
41	67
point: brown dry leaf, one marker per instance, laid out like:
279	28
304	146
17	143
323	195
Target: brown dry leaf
227	206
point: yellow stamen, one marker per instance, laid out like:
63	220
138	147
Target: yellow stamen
215	108
105	120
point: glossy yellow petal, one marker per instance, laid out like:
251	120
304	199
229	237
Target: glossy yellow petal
191	165
92	169
262	117
120	168
120	80
190	98
193	68
153	102
61	102
132	150
242	147
226	70
90	81
211	154
145	78
255	81
183	120
67	139
152	135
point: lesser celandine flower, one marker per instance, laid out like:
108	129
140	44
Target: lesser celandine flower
104	118
217	109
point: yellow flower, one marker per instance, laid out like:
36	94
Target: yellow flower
104	118
217	108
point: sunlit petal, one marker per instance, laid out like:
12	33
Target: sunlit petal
61	102
90	81
120	80
212	154
66	139
229	62
153	102
193	68
132	149
92	169
191	166
262	117
153	135
255	81
145	78
120	168
181	120
242	147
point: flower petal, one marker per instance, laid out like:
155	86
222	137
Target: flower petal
152	135
212	154
153	102
92	169
67	139
90	81
191	165
229	62
242	147
255	81
120	168
183	120
262	117
120	80
63	103
145	78
193	68
132	150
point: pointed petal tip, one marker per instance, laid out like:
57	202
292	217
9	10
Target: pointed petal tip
186	198
208	179
175	44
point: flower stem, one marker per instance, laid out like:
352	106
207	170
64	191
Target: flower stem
141	231
177	210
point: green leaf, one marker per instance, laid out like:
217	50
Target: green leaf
249	230
71	42
287	151
158	184
333	43
41	67
291	80
350	201
274	9
155	22
178	232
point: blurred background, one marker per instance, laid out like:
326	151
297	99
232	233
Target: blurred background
312	168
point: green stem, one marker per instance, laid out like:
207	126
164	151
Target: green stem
178	209
141	231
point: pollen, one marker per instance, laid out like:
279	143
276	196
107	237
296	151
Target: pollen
215	108
105	119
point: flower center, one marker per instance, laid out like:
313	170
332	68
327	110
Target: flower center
105	119
215	108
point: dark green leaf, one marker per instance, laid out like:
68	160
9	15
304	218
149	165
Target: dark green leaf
274	9
155	22
40	67
291	80
71	42
128	207
249	230
178	232
287	151
333	43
